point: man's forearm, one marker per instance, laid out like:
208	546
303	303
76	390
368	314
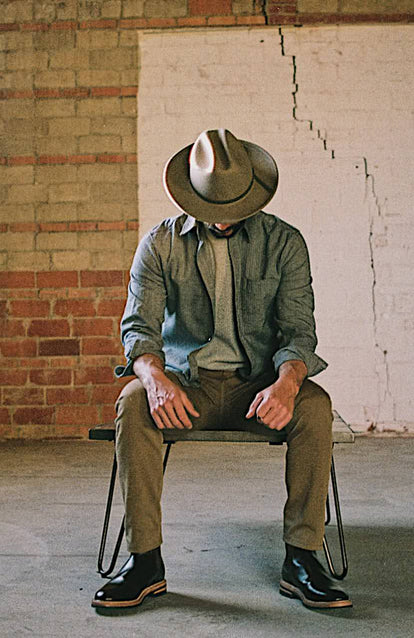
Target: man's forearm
293	373
146	366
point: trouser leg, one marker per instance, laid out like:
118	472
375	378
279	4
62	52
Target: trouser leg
308	462
308	458
139	453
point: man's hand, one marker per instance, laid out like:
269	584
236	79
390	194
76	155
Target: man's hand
168	402
274	405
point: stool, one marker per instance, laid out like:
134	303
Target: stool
341	433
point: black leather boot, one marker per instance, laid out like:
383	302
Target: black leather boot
141	576
304	577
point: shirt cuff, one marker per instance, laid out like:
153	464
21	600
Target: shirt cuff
125	371
311	360
139	347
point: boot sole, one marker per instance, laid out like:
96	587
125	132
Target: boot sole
153	590
290	591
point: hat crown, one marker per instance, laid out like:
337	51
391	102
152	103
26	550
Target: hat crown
220	168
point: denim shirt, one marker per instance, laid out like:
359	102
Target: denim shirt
169	310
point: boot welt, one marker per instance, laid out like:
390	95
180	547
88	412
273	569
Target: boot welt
153	590
290	591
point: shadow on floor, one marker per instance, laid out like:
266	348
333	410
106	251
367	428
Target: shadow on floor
377	581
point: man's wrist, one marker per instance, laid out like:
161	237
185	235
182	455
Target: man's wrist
293	373
147	366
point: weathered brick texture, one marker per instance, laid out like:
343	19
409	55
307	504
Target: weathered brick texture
57	352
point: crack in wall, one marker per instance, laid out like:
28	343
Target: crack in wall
382	365
385	398
295	83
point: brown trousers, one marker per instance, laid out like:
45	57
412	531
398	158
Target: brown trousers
222	401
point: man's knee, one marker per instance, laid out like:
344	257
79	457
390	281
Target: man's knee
131	405
314	407
318	399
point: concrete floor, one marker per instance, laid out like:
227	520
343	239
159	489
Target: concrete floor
223	549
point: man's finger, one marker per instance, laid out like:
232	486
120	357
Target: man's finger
263	410
279	423
183	416
268	417
165	418
160	425
252	409
172	414
189	406
285	421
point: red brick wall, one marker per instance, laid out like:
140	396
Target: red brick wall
68	188
301	12
59	346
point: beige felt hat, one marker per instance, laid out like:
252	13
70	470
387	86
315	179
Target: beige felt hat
221	179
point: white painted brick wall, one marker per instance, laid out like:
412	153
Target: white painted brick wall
353	96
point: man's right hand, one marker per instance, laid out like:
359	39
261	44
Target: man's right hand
168	402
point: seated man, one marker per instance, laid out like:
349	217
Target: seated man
219	332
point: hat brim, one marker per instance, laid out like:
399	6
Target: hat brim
178	187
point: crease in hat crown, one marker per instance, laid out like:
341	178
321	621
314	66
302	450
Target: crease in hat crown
220	168
220	178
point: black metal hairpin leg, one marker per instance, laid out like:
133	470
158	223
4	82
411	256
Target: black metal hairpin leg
328	511
106	572
339	575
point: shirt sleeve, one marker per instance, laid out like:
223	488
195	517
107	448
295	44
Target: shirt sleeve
141	323
295	307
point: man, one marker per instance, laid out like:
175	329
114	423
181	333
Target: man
219	332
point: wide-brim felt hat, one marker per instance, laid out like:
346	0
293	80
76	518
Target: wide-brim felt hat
221	179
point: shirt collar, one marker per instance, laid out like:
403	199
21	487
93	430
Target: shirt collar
188	225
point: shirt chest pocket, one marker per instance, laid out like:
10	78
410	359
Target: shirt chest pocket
259	302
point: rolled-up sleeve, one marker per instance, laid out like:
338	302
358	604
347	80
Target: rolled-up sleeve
141	323
295	307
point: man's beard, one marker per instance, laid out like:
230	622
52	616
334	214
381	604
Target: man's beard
228	232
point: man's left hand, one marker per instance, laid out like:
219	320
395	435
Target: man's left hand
273	406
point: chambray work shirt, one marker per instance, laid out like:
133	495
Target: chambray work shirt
170	306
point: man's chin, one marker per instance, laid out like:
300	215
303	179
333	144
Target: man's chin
228	232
